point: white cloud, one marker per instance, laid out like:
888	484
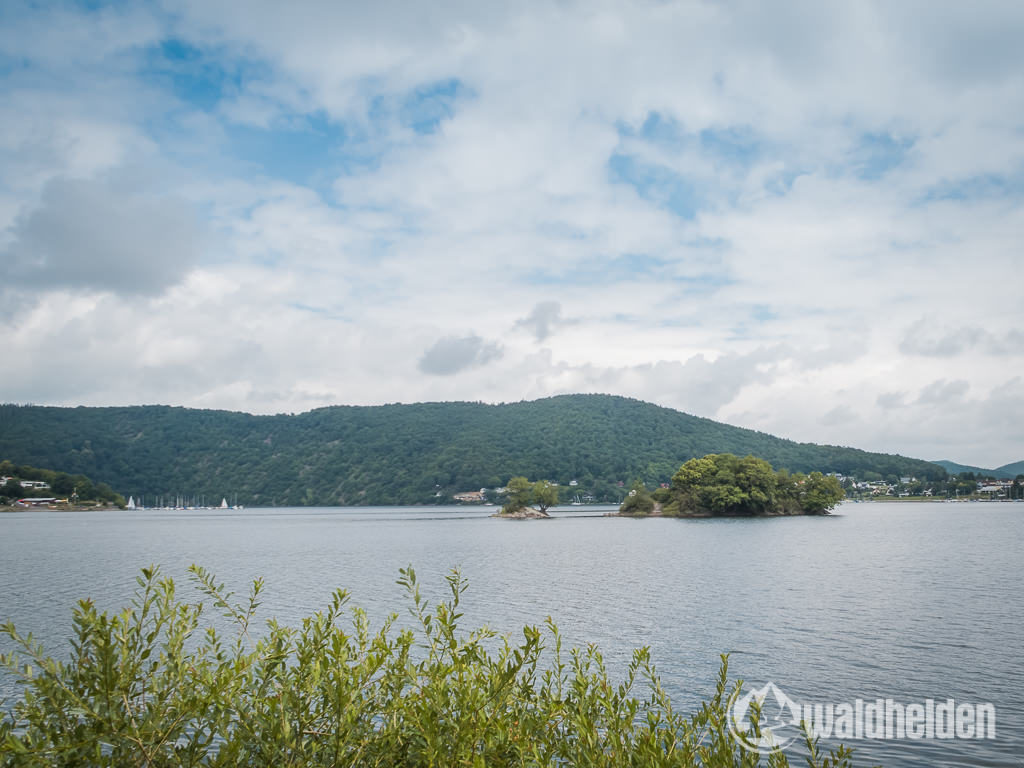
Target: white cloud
944	392
803	218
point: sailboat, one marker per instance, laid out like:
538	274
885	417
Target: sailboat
224	503
131	502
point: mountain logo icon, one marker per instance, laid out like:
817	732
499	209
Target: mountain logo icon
778	725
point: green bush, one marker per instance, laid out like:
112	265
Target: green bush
638	502
149	687
724	484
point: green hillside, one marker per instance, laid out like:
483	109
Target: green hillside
955	469
397	454
1005	471
1011	470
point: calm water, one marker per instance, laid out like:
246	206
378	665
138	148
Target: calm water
907	601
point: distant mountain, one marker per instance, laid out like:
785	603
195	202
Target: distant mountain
1005	471
955	469
1011	470
398	454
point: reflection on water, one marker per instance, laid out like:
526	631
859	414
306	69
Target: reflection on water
905	601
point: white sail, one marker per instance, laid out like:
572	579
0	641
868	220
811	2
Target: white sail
131	502
224	503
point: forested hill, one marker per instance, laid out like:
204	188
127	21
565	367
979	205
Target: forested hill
954	468
1005	471
397	454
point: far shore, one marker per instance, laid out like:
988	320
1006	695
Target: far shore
58	508
526	514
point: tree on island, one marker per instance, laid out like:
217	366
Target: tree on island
522	493
721	484
820	493
545	495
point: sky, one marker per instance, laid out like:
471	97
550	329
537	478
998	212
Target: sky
799	217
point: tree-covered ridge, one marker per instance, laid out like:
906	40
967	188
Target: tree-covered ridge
726	485
398	454
1006	471
954	468
21	481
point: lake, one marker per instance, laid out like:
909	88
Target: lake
881	600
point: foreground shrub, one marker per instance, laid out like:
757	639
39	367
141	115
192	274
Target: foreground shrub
149	687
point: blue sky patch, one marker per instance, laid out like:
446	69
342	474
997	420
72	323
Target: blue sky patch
762	313
987	186
658	129
735	145
748	328
307	151
422	109
657	184
426	107
781	183
96	5
664	131
878	153
10	64
198	77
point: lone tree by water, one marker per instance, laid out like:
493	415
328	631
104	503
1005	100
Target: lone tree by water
521	494
545	495
721	484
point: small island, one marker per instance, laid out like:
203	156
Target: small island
522	494
724	485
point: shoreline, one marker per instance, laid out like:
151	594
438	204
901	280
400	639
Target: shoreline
60	507
534	514
523	513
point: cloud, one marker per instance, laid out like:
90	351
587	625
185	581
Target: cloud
943	392
451	355
698	385
543	320
841	414
103	235
889	400
927	339
817	216
924	338
1013	343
